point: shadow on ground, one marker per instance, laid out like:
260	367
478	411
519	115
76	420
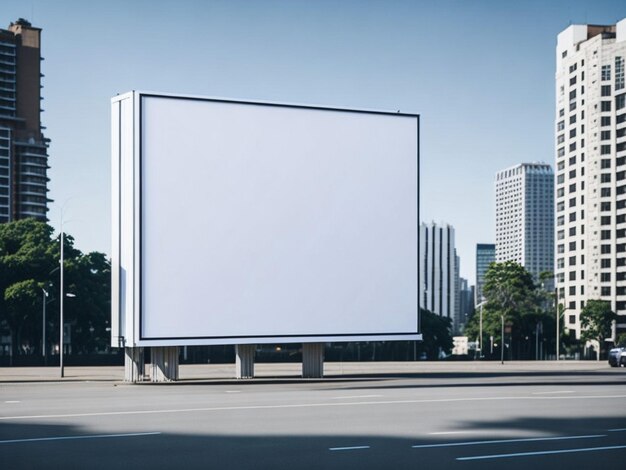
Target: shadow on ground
69	446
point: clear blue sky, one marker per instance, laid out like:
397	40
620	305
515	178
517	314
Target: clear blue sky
480	73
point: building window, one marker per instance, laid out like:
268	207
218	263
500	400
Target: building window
605	290
605	121
606	72
605	249
620	101
605	263
605	220
605	178
605	106
572	246
619	73
605	135
571	319
606	90
605	235
605	206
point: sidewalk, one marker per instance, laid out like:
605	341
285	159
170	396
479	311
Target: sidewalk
293	370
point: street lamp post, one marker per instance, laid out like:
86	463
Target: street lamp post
558	325
61	305
502	346
43	338
480	328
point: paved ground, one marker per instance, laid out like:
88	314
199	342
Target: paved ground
382	415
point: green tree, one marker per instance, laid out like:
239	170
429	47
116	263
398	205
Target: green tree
596	321
26	258
21	300
88	277
29	261
509	291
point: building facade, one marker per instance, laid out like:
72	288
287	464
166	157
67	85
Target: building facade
525	217
466	303
485	255
439	271
590	133
23	147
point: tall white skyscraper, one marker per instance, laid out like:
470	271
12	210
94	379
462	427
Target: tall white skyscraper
591	168
439	271
525	217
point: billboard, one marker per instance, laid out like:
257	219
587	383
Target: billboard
246	222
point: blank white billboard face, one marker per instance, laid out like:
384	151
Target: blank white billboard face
267	223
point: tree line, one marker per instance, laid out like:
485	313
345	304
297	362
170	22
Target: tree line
528	311
30	276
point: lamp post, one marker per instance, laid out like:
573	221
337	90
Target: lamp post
43	337
558	325
61	296
480	328
558	321
502	345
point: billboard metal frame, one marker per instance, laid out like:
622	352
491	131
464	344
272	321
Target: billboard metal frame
128	331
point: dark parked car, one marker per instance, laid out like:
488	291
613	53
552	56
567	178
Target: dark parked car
617	357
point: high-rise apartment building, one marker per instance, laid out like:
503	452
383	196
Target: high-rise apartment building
439	273
525	217
591	168
23	147
485	255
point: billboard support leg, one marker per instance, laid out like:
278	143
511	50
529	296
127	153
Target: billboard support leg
133	365
313	360
164	363
244	362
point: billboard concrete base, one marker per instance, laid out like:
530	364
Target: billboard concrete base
134	365
313	360
244	362
164	364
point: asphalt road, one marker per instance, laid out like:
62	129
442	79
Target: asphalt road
461	417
